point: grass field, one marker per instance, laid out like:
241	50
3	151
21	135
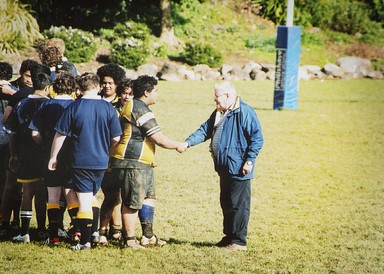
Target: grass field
317	196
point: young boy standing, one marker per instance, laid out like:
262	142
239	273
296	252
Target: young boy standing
26	157
42	126
93	126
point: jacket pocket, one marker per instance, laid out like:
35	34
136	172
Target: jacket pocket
235	160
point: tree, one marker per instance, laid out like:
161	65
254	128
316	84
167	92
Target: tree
167	33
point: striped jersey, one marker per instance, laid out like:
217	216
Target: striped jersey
137	123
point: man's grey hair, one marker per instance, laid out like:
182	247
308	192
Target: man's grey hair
226	87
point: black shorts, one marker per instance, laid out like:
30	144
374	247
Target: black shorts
60	177
137	184
109	184
30	167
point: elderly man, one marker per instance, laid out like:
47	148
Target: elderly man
236	140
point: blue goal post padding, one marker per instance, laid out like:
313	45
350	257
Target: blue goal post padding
287	67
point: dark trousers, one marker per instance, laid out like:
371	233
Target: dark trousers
235	201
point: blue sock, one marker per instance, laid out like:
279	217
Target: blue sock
146	214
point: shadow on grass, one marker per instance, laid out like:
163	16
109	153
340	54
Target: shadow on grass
173	241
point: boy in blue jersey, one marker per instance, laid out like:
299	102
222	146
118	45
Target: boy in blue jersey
26	157
11	199
93	126
42	126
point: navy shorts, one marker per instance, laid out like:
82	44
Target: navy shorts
87	180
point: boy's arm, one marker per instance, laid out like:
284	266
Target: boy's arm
163	141
36	136
57	143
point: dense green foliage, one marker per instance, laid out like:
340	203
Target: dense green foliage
317	196
19	29
196	53
80	46
130	43
339	15
262	43
331	28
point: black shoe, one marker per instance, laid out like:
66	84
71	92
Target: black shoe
5	230
223	242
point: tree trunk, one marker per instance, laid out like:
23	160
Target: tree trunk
167	33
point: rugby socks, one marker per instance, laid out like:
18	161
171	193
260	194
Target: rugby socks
54	220
84	220
146	214
73	209
63	207
26	216
96	216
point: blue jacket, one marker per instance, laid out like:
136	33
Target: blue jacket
240	141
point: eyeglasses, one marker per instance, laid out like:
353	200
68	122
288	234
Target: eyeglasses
218	96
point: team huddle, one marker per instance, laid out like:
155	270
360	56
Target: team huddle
71	136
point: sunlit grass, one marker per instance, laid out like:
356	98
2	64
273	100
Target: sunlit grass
317	196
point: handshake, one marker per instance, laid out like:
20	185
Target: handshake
182	147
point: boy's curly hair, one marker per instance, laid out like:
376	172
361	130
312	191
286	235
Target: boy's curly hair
114	71
6	71
51	56
143	83
65	83
125	83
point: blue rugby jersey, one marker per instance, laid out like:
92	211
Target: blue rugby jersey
91	123
46	117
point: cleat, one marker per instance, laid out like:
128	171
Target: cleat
54	242
21	239
62	234
133	244
76	237
115	234
152	242
103	240
42	235
81	247
95	238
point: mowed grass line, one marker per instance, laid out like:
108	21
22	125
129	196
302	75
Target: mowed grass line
317	196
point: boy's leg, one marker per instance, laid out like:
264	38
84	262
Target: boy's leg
85	216
26	209
53	209
41	208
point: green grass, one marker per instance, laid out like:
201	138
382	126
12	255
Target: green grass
317	196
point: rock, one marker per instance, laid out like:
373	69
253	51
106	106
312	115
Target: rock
332	69
355	66
148	69
170	72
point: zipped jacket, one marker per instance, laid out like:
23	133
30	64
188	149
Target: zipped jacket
240	140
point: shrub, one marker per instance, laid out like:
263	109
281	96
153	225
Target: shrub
263	44
203	54
19	29
80	46
312	38
130	53
130	44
